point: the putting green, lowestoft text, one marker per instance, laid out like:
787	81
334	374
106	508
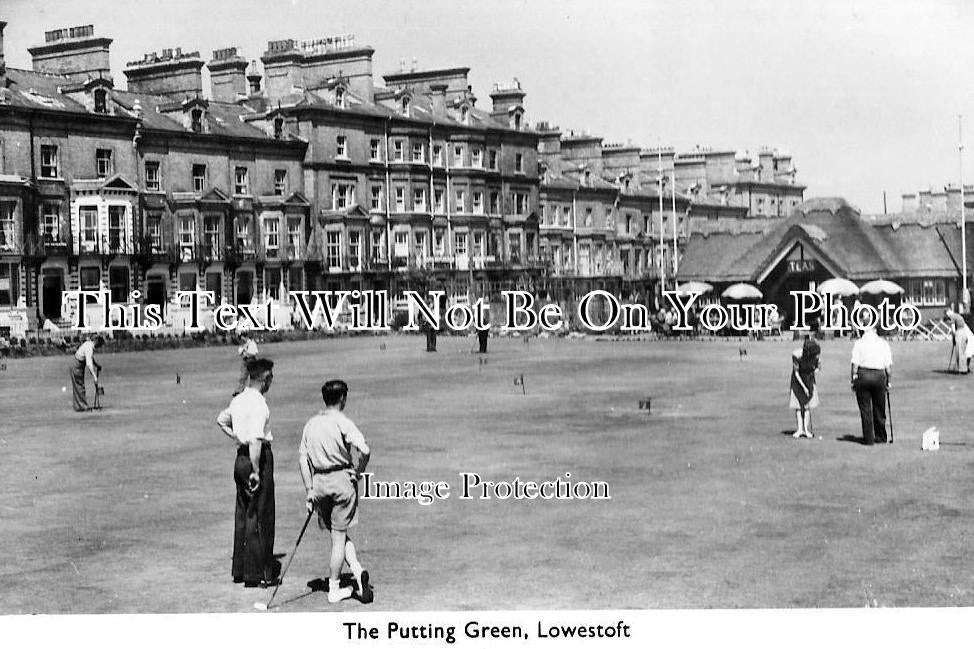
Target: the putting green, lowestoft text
474	487
476	630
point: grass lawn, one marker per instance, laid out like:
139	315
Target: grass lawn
131	509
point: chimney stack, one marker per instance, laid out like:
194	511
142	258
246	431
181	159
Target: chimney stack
171	75
505	97
228	75
338	57
73	52
253	78
909	203
282	67
438	98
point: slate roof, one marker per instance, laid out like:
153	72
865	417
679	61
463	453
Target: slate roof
35	90
385	105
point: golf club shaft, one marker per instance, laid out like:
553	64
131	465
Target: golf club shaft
889	410
291	558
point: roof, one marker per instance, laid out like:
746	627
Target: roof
386	105
716	256
35	90
834	230
221	118
38	90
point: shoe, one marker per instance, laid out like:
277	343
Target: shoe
364	591
270	583
238	580
338	594
251	584
798	434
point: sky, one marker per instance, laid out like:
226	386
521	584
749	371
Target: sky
864	94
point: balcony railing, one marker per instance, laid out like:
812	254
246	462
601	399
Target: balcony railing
283	252
106	244
240	252
46	245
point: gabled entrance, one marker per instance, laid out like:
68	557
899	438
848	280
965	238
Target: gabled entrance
799	265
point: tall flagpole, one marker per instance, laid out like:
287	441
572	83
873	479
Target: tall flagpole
673	216
963	217
662	266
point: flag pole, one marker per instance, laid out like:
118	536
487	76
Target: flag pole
673	216
965	299
662	266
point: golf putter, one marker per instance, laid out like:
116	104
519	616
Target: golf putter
889	410
260	606
99	390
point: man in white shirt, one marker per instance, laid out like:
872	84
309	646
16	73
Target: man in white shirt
247	352
246	421
871	362
84	358
332	455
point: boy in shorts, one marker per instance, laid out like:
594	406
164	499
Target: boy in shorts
332	456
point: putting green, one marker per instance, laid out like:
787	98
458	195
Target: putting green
130	509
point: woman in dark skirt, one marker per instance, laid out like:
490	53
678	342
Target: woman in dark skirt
804	396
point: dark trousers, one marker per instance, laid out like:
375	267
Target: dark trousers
482	335
871	397
253	521
431	340
78	385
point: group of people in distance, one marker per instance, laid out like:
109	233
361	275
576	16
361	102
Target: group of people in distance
332	455
870	372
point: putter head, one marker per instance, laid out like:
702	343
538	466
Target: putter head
260	606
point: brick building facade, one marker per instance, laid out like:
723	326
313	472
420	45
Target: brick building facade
310	175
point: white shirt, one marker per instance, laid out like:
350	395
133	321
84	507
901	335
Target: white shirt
872	352
85	352
249	348
248	417
326	438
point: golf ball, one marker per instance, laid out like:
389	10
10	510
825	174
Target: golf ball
64	388
820	437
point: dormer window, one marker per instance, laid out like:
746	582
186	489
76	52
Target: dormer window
516	121
101	100
405	106
196	120
279	128
464	115
340	97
